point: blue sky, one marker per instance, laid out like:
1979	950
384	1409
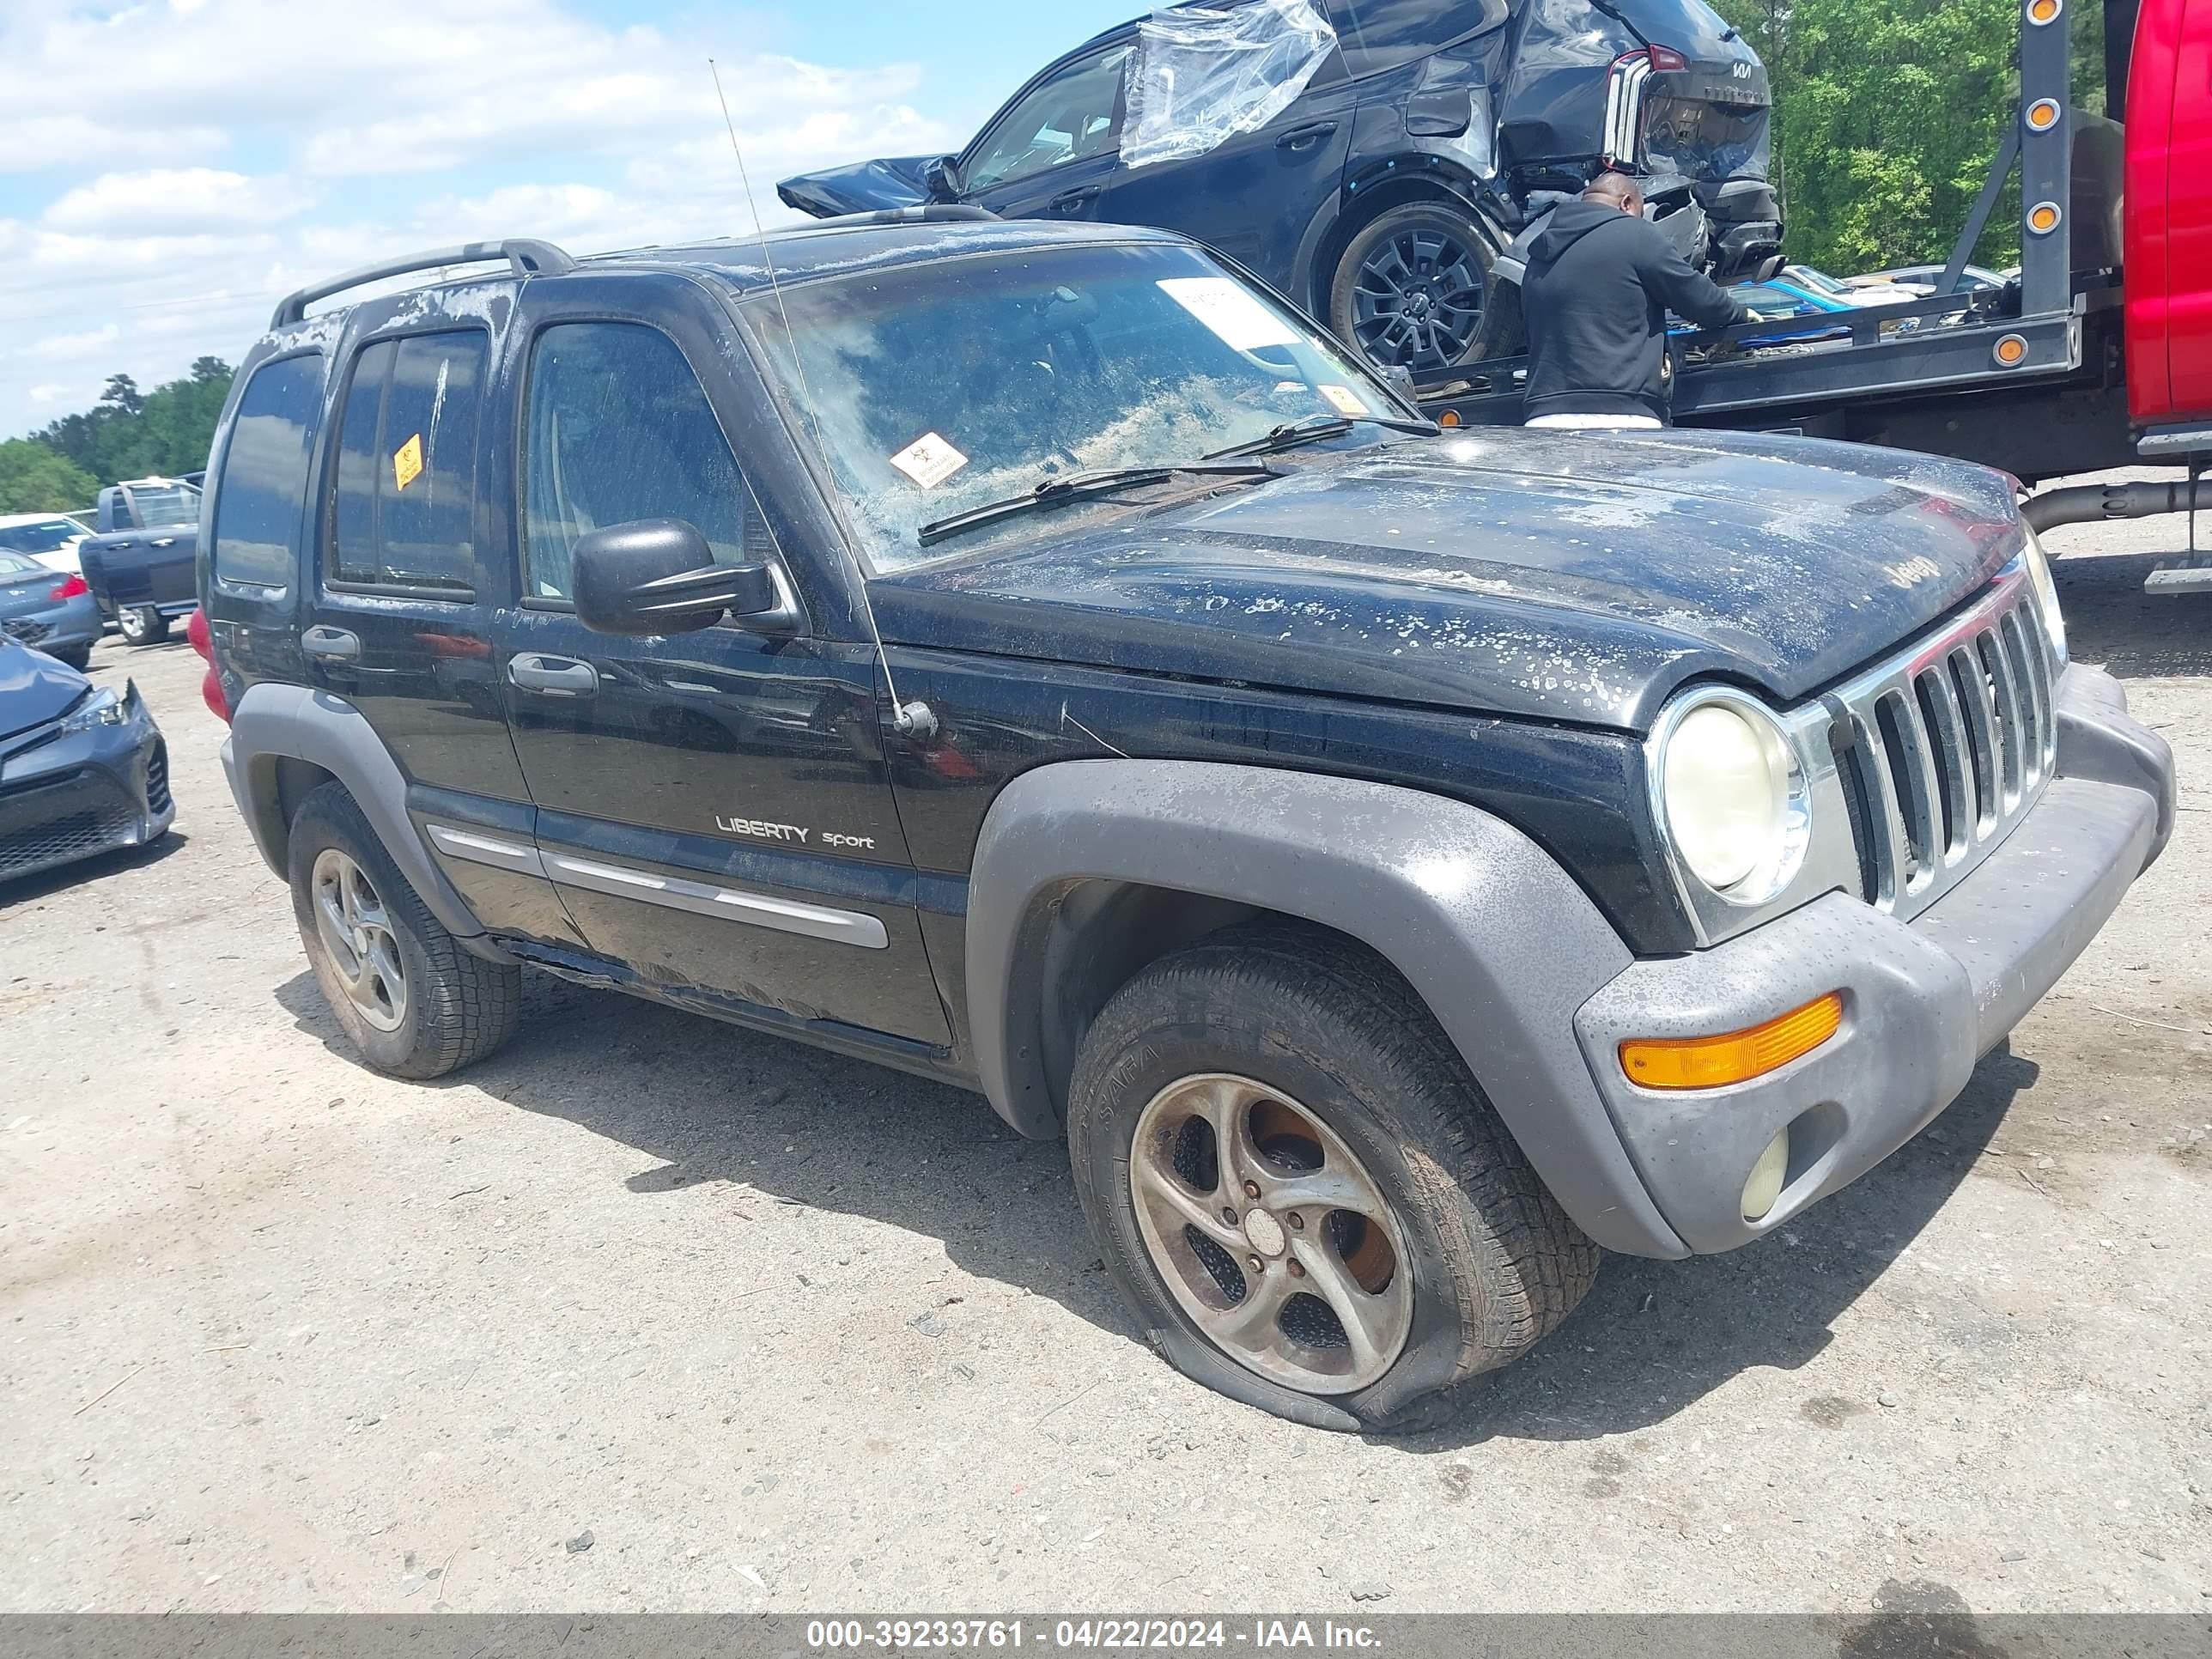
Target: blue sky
172	168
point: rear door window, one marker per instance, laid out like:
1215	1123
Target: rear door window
1380	34
403	509
261	492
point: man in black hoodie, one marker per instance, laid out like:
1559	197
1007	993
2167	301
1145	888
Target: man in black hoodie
1600	281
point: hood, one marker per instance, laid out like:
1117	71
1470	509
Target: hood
1570	222
1565	576
858	188
34	688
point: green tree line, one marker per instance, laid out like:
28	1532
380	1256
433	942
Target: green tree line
1888	114
127	433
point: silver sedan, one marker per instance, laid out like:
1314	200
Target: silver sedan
47	609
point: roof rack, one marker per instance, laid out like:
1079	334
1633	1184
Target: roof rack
527	257
935	213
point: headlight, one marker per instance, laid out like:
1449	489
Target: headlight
103	707
1734	796
2046	594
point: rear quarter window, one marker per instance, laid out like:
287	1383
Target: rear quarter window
261	492
1380	34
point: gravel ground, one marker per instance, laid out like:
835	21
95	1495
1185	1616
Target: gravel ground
650	1313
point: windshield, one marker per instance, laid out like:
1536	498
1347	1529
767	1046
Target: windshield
47	536
956	384
161	505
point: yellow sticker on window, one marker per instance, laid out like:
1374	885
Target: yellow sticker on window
1343	399
407	462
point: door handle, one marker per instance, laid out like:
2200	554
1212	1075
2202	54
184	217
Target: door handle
165	541
1073	198
556	677
330	644
1306	137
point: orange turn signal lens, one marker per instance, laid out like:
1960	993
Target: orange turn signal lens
2043	11
1738	1056
2043	115
2010	351
2043	218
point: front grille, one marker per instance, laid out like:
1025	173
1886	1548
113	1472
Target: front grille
58	819
26	631
1942	749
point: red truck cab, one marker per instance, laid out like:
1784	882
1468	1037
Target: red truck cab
2168	214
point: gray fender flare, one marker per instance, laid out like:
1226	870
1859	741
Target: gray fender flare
1499	941
298	722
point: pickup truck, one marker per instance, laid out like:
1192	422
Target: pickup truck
139	560
1403	863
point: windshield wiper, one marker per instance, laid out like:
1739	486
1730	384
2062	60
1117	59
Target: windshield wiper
1075	486
1315	427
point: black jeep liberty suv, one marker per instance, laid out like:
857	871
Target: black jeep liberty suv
1400	861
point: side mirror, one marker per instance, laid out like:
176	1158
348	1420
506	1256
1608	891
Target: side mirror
659	576
940	180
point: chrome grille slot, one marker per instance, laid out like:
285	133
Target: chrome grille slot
1942	748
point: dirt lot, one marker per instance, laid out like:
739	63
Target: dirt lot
651	1313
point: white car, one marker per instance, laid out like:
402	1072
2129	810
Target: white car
49	537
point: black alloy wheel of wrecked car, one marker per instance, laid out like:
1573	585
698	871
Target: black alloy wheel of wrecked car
1302	1190
1409	289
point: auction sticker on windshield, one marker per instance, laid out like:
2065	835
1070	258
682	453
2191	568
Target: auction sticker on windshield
1343	399
929	460
1242	323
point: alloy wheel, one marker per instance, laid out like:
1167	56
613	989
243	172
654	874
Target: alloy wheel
351	921
1271	1236
1417	300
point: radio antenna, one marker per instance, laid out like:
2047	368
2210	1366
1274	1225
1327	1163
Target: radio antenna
913	720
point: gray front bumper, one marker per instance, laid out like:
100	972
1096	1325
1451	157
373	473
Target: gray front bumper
1924	1001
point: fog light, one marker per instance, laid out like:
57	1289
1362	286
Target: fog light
1735	1056
1766	1183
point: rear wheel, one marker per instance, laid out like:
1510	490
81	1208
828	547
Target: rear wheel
411	998
77	656
142	624
1409	289
1301	1189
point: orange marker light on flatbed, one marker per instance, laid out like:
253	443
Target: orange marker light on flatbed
1735	1056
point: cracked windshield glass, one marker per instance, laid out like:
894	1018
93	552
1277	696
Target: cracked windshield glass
968	382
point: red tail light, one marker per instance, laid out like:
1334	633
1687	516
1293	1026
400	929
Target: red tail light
70	588
1666	60
196	631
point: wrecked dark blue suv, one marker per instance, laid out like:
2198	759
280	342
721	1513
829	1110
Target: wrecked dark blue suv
1365	157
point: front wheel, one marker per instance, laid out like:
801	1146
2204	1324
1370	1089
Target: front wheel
1301	1189
142	624
1408	288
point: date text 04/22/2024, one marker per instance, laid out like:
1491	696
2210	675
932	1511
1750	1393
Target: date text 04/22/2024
1142	1634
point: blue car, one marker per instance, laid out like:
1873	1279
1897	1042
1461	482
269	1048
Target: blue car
82	766
1365	157
46	608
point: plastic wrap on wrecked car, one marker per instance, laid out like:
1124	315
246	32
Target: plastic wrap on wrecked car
1201	77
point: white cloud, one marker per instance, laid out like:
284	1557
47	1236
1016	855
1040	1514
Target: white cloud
71	345
176	200
172	231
